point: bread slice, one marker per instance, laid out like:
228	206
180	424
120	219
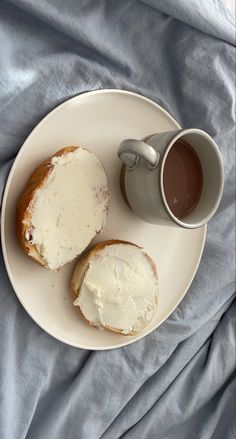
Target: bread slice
115	286
63	207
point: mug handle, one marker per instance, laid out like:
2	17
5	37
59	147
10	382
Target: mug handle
130	150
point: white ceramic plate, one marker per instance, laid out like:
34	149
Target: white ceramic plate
99	121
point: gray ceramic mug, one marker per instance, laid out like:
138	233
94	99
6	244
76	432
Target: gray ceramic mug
144	162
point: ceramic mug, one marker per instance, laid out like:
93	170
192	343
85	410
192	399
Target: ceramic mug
144	162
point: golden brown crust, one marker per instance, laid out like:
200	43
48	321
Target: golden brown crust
80	271
23	213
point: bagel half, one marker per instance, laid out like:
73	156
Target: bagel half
63	207
115	286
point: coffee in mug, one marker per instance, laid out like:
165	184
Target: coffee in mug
182	179
172	178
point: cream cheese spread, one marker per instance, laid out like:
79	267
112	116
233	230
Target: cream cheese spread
70	207
119	288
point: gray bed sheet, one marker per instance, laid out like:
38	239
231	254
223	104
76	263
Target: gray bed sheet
179	381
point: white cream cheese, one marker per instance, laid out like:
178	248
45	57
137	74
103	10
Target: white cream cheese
70	208
119	289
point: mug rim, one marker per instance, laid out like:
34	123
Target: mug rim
176	136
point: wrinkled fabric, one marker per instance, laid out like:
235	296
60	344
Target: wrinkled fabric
178	382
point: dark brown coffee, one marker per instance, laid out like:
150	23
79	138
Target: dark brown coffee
182	179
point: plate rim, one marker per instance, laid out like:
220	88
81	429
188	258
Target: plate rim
3	210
